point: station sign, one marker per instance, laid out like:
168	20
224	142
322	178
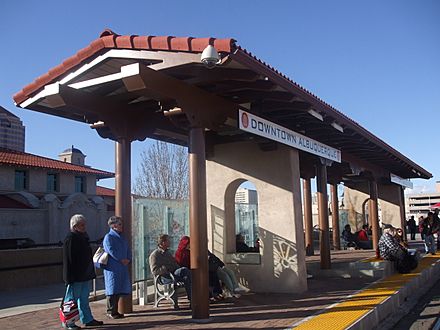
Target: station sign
253	124
400	181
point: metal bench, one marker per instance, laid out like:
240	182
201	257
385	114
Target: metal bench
165	287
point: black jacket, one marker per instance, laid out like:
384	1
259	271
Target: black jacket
77	258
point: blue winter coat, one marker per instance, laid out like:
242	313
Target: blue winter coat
116	276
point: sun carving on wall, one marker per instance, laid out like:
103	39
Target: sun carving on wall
284	256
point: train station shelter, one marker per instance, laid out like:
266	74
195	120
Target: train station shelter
242	120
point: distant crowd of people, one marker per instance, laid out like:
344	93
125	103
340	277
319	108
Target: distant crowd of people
429	229
79	269
393	243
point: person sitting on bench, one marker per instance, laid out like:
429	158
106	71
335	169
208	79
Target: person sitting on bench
391	250
363	241
162	263
348	237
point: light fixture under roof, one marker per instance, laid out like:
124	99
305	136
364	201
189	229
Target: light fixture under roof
316	114
338	127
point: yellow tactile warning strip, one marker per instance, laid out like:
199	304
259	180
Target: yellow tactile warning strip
373	259
341	315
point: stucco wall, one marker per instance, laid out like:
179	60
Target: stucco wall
388	202
7	178
50	222
22	223
37	181
275	175
20	268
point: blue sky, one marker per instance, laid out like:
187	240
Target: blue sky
376	61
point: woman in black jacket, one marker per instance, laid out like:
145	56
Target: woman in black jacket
78	270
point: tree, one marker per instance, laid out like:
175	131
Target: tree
163	172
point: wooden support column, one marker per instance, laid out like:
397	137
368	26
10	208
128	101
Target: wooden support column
324	238
374	214
123	205
335	217
308	220
198	224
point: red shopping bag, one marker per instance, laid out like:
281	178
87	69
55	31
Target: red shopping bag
69	312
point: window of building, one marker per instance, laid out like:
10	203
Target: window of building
21	180
52	182
5	123
80	184
246	215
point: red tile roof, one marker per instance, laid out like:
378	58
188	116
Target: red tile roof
24	159
103	191
110	40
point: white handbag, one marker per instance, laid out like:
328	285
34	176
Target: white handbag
100	256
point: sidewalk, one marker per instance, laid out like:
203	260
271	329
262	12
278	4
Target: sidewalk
35	299
260	311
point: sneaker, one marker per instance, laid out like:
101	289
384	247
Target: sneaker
70	326
227	294
115	316
94	323
241	290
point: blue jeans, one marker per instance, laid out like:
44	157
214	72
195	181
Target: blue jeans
79	291
430	243
183	274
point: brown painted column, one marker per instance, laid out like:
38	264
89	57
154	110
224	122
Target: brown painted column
308	220
335	217
374	214
123	204
198	224
324	238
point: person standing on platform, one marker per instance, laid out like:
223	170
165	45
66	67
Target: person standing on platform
116	272
412	227
78	270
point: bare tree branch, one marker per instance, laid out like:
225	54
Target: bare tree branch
163	172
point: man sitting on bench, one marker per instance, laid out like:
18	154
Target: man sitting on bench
390	249
163	263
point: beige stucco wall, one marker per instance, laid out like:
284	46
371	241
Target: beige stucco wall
38	181
22	223
50	222
275	175
388	203
7	178
50	271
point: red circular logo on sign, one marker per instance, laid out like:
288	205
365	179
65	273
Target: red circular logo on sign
244	119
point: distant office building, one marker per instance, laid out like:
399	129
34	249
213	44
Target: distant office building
420	204
246	196
11	131
246	214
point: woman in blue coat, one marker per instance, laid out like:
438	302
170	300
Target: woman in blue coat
116	274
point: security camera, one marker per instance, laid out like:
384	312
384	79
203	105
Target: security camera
210	57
